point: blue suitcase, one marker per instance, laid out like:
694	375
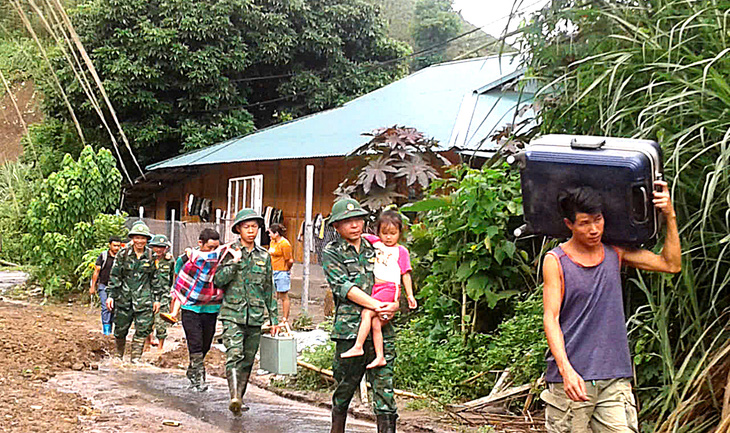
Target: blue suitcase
623	170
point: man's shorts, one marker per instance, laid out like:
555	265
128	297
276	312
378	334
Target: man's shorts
611	408
282	281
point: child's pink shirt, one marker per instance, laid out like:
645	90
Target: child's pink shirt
390	262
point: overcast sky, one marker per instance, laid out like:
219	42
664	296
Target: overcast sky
492	14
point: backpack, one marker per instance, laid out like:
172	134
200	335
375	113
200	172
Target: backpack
104	257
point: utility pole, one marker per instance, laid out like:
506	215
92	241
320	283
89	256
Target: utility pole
307	238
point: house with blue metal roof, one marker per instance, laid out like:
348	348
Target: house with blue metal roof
460	104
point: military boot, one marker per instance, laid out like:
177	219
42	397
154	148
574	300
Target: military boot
242	384
135	352
338	421
121	343
235	404
194	370
386	423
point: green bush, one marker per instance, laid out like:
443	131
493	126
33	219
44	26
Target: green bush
465	262
450	368
66	218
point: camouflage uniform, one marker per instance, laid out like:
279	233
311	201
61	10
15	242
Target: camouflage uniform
134	287
346	268
249	290
165	272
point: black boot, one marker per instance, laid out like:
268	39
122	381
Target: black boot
121	343
235	404
338	421
386	423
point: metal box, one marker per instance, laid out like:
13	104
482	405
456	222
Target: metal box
622	170
278	354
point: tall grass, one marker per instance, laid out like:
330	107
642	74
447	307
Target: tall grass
657	69
18	184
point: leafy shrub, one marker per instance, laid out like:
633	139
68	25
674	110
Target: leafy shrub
464	260
67	218
450	368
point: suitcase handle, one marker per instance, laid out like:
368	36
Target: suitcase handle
639	214
575	144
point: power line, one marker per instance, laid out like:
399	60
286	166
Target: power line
375	64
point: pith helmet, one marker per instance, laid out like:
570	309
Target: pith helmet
246	215
140	228
159	241
346	208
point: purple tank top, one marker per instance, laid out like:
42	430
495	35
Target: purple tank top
592	319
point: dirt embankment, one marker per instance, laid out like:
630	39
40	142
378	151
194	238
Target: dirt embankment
11	129
36	343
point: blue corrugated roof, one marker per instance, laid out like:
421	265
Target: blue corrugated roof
428	100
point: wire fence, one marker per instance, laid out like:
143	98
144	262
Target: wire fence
182	234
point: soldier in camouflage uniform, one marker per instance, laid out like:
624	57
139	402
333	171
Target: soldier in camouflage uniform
165	264
134	291
348	265
249	290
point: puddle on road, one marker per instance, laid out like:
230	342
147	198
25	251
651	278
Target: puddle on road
162	394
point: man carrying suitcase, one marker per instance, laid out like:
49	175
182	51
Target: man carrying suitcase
589	368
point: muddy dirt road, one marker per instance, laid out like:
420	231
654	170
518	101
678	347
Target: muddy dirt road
56	376
128	394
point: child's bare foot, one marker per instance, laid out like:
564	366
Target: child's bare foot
169	318
355	351
377	362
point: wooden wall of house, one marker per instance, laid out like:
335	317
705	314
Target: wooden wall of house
284	188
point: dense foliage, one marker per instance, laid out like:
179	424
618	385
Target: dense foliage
466	260
434	23
183	75
67	217
18	185
656	69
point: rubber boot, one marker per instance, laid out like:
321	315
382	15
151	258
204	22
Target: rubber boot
242	384
201	373
120	343
386	423
107	328
235	404
338	421
193	373
135	352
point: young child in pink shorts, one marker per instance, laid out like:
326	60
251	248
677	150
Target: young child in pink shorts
392	264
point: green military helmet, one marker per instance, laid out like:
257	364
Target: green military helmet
141	229
344	209
160	241
246	215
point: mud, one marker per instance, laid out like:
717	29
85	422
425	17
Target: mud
56	375
35	344
156	395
